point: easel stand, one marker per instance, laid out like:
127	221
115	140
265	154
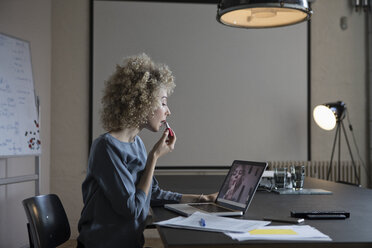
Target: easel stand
26	178
340	125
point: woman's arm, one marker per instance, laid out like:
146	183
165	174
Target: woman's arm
107	170
162	147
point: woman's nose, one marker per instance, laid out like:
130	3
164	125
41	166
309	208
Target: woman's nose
168	111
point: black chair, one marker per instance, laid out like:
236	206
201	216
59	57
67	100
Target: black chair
48	224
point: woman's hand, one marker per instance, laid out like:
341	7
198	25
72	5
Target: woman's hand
164	145
208	198
198	198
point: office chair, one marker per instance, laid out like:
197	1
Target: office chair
48	224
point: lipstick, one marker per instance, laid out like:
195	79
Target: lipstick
170	129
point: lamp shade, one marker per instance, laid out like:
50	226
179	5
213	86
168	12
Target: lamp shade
327	115
262	13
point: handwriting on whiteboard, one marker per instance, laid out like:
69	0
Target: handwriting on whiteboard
19	120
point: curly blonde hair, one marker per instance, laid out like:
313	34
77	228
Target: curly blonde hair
131	93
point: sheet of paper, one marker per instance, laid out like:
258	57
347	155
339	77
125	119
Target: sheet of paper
293	232
213	223
268	173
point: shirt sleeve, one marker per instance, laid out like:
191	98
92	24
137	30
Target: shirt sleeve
115	181
160	197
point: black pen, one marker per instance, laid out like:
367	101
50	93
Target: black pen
285	220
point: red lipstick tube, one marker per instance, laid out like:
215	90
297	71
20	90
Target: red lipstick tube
171	134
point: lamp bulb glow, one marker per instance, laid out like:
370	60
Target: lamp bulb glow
324	117
264	13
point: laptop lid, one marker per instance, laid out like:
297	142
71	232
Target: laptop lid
240	184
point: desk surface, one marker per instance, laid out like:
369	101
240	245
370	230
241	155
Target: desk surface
355	231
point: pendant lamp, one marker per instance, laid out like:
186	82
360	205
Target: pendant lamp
262	13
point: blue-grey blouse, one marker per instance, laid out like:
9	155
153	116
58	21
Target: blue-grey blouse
115	210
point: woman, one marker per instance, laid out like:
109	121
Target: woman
235	186
119	184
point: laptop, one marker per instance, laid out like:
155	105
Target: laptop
235	194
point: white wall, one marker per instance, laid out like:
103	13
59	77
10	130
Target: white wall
338	72
70	108
31	21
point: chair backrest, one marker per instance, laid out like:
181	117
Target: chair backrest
48	223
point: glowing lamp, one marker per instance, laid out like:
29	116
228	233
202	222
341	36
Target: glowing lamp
262	13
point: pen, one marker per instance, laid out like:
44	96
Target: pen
202	222
285	220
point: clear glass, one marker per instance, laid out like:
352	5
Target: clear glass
297	176
280	178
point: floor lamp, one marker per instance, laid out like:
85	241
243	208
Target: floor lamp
328	116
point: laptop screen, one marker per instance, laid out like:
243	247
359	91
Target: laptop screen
241	183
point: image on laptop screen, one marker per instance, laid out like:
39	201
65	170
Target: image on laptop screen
240	184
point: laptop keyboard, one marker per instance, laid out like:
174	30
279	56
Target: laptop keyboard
210	208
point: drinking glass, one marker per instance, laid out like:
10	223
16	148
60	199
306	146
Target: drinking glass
280	178
297	176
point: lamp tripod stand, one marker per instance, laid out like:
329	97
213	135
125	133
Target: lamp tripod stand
339	126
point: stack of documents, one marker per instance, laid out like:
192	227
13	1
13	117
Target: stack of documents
240	229
213	223
294	232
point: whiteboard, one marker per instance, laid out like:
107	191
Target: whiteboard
240	94
19	122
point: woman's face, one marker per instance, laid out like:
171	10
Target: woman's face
155	121
236	175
